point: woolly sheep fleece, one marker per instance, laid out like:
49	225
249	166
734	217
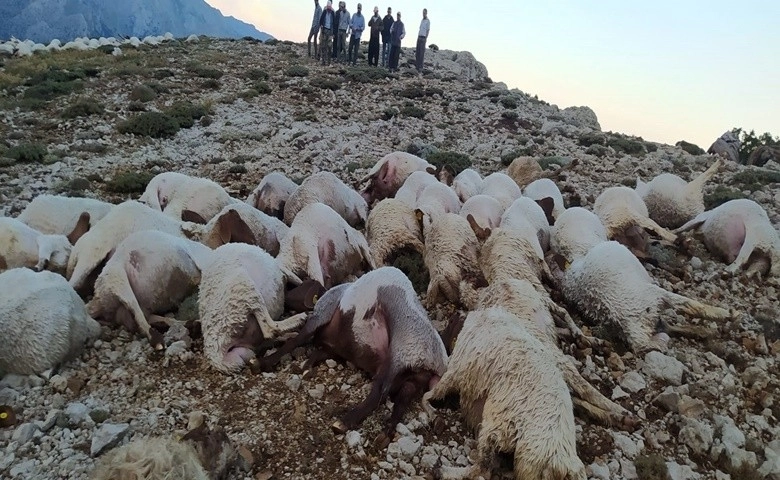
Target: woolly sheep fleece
22	246
325	187
58	215
451	252
391	226
156	458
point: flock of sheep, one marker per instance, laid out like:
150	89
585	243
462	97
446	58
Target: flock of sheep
495	247
27	48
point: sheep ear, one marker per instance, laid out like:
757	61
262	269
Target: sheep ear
446	175
194	217
304	296
233	228
547	204
481	233
259	203
384	171
635	239
560	260
431	170
82	227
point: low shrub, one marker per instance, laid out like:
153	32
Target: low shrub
83	108
592	138
185	113
389	113
651	467
626	145
142	93
129	182
325	83
366	74
150	124
257	74
411	110
456	161
549	163
597	150
296	71
721	195
509	102
28	153
263	88
755	179
203	71
691	148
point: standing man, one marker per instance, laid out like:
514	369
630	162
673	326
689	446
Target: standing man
315	27
376	25
422	37
387	23
344	20
327	24
357	25
397	33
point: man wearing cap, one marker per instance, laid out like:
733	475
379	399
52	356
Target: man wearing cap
422	37
342	22
397	33
315	27
375	25
357	25
387	22
327	24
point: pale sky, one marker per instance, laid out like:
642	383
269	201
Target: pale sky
665	70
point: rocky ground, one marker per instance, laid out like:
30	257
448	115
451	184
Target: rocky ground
710	406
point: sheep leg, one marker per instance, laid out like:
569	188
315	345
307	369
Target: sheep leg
291	323
124	293
691	224
266	364
744	255
318	356
694	308
486	456
658	230
356	415
157	321
695	186
432	296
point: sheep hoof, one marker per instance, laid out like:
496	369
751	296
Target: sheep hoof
438	425
382	440
156	339
339	427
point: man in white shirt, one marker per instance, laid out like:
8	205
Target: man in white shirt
422	38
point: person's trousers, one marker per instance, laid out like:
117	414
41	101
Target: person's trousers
373	52
395	52
385	52
341	45
325	38
354	47
313	35
420	53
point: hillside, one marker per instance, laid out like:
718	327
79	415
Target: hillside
233	111
44	20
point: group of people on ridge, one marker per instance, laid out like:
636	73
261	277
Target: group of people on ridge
335	26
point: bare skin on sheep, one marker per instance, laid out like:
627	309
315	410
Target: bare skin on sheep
335	332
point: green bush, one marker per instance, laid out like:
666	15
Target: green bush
690	148
548	163
592	138
597	150
161	73
411	263
755	179
263	88
49	90
411	110
257	74
651	467
129	182
83	108
150	124
272	41
651	147
205	72
456	161
74	187
389	113
721	195
28	153
237	169
136	106
185	113
325	83
626	145
509	102
510	115
142	93
749	141
296	71
418	91
211	84
508	158
366	74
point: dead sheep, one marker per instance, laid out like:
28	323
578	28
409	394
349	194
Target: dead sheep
327	188
240	222
323	247
483	213
501	187
391	227
149	274
23	246
272	194
670	200
378	324
507	254
467	184
575	232
740	232
608	285
95	246
525	211
524	170
546	188
201	454
44	322
59	215
240	298
434	201
451	257
413	186
389	173
625	216
175	193
514	397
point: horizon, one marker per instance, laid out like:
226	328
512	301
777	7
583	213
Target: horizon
612	50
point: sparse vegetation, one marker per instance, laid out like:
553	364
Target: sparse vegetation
142	93
755	179
74	187
185	113
263	88
83	107
551	163
257	74
129	182
626	145
456	161
325	83
202	71
419	91
509	102
296	71
509	115
411	110
389	113
237	169
592	138
749	141
691	148
507	158
211	84
651	467
366	74
28	153
597	150
721	195
150	124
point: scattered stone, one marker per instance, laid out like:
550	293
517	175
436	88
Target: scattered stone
294	383
24	433
681	472
107	436
663	367
697	435
633	382
353	439
58	383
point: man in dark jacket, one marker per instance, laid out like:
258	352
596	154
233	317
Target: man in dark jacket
327	25
387	22
397	33
376	26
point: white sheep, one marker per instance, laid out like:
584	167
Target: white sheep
451	253
524	212
161	188
240	222
43	320
23	246
524	170
58	215
389	173
435	200
502	187
670	200
325	187
741	233
467	184
608	285
241	295
149	274
413	186
183	197
513	395
392	227
624	215
322	245
544	188
97	244
507	254
272	193
483	213
575	232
